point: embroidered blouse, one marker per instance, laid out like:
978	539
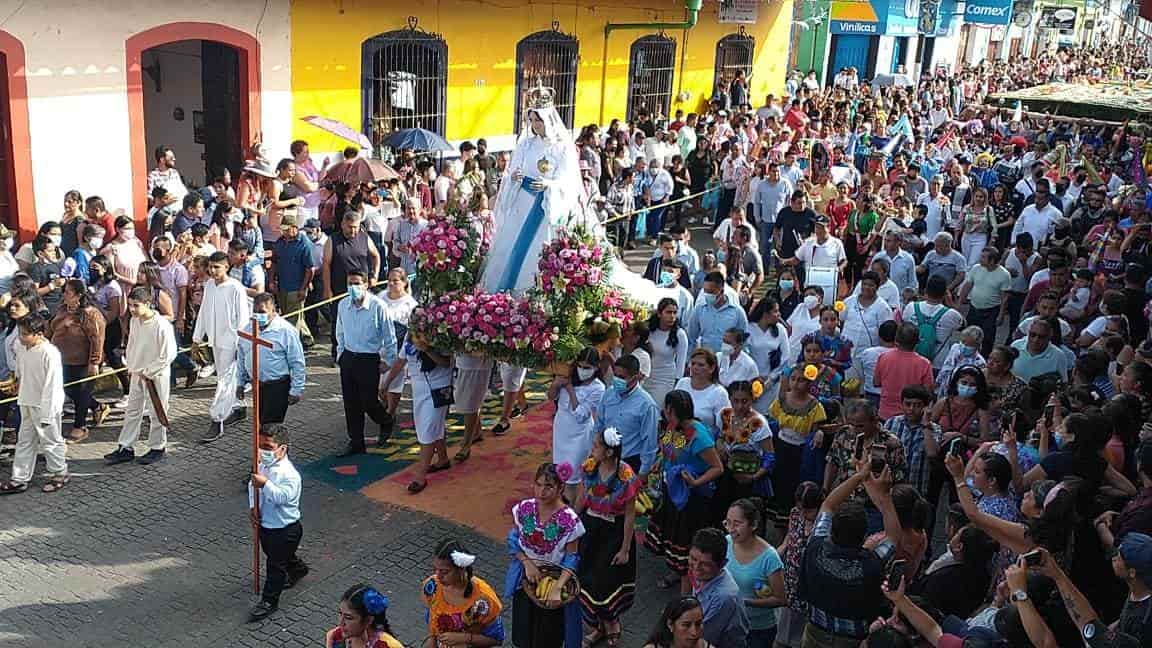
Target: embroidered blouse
478	614
381	640
545	539
608	499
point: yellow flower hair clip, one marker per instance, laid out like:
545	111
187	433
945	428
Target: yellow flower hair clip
839	306
810	372
757	389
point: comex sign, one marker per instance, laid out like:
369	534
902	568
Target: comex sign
988	12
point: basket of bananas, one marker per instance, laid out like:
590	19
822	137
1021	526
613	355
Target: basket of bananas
556	587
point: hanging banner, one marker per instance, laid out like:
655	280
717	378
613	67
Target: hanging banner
988	12
739	12
929	17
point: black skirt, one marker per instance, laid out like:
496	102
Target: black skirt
606	590
786	476
670	530
533	626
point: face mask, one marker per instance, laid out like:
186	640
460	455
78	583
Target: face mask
267	457
666	278
128	234
238	217
967	351
726	349
966	391
710	299
356	291
94	277
314	237
620	385
787	284
56	240
585	373
262	318
811	301
96	243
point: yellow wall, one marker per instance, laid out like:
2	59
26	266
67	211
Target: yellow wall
482	37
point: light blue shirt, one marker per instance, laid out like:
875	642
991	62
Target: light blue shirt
770	198
709	323
1028	366
280	497
902	270
725	617
636	416
285	358
365	328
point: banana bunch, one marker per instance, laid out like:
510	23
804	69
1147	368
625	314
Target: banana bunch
543	586
643	502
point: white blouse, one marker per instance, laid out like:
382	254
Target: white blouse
742	367
862	323
707	402
668	362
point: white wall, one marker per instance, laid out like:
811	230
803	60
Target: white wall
77	87
884	55
180	86
977	45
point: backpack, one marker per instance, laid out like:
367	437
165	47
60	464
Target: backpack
927	329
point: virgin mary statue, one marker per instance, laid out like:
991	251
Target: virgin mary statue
541	192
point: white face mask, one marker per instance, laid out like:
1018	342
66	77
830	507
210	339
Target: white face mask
585	373
267	457
96	243
726	349
811	301
56	239
128	234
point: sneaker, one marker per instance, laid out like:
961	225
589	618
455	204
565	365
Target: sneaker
261	611
151	457
215	433
237	415
295	577
119	455
206	371
517	412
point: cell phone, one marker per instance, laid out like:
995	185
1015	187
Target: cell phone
896	572
1049	414
859	451
956	447
879	458
1033	558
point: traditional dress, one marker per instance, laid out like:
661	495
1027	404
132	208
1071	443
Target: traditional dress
379	639
478	613
740	448
672	526
797	459
543	540
606	590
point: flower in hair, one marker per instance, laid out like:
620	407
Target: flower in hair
811	372
612	437
375	602
838	306
564	471
462	560
757	388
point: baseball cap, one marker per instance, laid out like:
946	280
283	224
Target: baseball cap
821	220
288	220
312	223
722	113
1098	635
963	158
1136	550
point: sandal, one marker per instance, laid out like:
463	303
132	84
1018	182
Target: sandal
12	488
416	487
55	484
438	467
592	638
612	639
501	428
463	454
668	581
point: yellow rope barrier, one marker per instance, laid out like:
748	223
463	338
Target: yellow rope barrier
670	202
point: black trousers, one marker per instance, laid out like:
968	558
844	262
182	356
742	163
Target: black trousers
279	546
274	400
359	384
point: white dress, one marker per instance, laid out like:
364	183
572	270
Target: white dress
667	363
428	419
399	310
707	402
772	352
472	376
572	428
742	367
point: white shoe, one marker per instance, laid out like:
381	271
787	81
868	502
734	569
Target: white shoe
122	403
206	371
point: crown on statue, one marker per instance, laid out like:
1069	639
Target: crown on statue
541	96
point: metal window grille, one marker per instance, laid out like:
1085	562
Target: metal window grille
405	78
650	69
552	57
733	55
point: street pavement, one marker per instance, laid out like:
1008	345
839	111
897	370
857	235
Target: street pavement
160	555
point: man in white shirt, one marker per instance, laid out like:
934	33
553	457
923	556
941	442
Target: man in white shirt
937	204
442	187
659	190
1021	263
1027	186
901	263
722	237
686	136
224	310
41	401
938	114
1039	218
167	175
947	323
770	109
823	250
731	169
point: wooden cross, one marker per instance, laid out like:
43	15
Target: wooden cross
256	341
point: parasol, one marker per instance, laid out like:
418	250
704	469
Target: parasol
359	170
339	129
896	80
417	139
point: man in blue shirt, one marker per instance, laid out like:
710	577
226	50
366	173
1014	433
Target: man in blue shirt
715	315
365	346
628	408
281	367
293	270
277	484
725	617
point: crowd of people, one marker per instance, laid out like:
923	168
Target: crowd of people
905	295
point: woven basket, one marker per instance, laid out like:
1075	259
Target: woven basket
570	593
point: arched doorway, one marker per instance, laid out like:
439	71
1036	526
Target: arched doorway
404	81
651	65
196	88
17	209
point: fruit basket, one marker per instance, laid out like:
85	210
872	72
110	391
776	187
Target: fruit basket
549	575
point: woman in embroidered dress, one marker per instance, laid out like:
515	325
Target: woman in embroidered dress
798	413
544	529
745	448
827	383
363	621
691	466
607	508
462	610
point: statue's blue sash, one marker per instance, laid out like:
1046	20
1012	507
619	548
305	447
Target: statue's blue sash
524	237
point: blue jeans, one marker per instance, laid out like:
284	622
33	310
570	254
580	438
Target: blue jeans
764	231
655	223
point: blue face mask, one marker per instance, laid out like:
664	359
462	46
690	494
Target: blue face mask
262	318
356	291
666	278
966	391
967	351
787	284
620	385
710	299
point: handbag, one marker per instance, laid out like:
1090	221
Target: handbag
443	396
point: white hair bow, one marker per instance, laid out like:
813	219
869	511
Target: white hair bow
462	560
612	437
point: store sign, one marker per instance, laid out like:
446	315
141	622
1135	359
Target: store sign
1062	19
739	12
856	17
988	12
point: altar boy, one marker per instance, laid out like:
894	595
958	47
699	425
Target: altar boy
41	401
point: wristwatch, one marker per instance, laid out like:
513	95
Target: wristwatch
1019	595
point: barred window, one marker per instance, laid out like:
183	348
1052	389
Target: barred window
650	68
405	77
733	55
550	57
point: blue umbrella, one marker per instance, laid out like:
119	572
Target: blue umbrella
417	139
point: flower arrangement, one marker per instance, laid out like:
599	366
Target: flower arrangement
570	264
449	252
495	324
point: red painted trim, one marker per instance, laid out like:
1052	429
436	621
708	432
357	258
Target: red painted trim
23	201
249	50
